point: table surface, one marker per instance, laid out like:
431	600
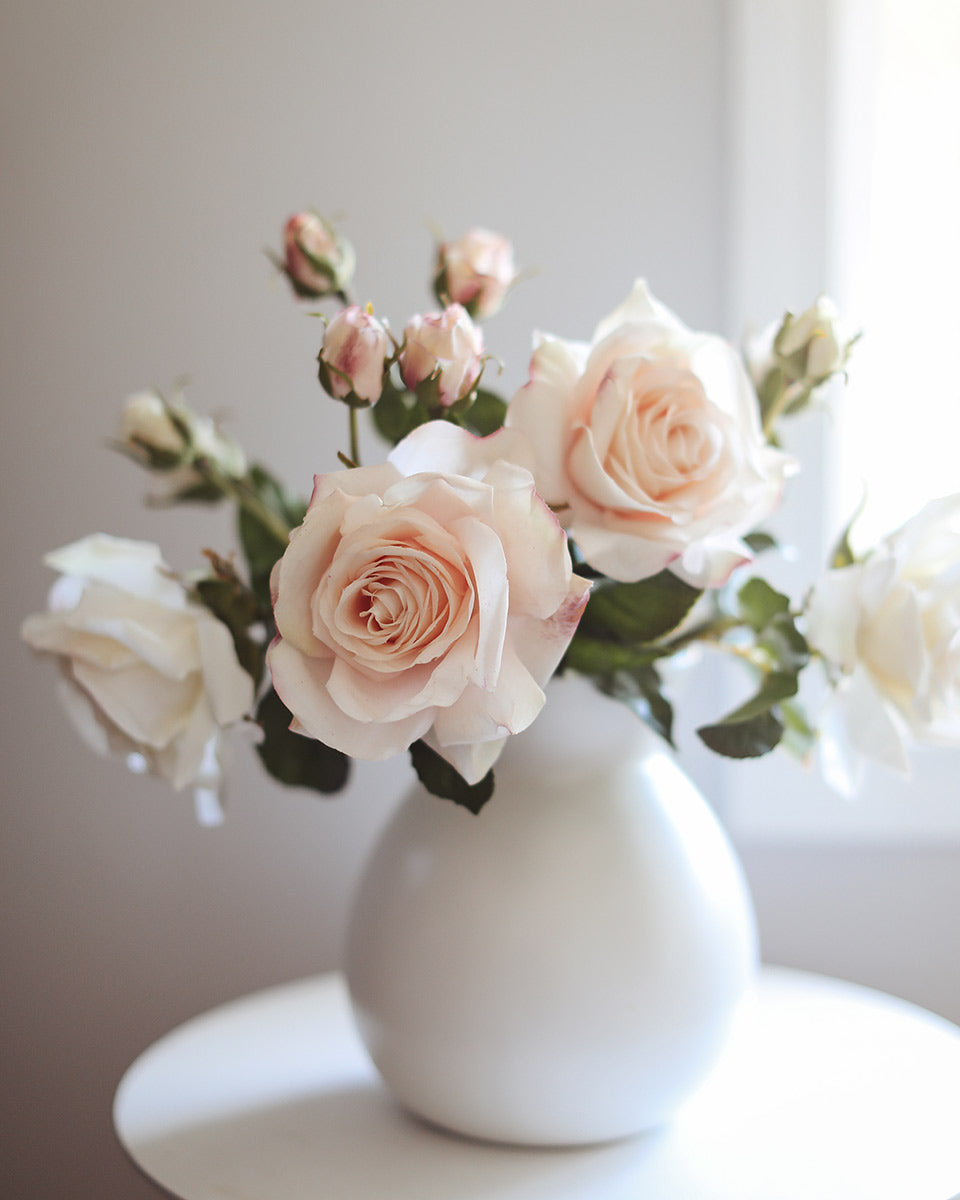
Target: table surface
827	1090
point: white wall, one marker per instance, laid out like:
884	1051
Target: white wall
150	152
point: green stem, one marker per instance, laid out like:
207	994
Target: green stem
354	437
790	393
241	493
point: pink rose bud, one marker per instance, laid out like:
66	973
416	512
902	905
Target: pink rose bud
355	349
317	260
475	271
441	358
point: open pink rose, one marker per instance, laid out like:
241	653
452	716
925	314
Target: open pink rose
430	597
650	437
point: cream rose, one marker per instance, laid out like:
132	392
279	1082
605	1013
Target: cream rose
650	438
428	597
146	671
889	627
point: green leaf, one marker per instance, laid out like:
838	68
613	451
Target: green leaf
486	414
445	781
596	658
397	413
752	729
261	545
759	603
799	736
744	739
238	608
641	690
638	613
293	758
758	541
784	643
842	554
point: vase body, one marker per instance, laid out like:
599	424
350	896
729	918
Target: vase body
564	967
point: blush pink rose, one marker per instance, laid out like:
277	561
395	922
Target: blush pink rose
316	258
445	347
650	439
431	596
476	271
355	349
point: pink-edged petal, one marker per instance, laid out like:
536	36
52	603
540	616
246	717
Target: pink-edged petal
538	561
484	552
540	644
439	446
626	557
541	411
300	682
298	574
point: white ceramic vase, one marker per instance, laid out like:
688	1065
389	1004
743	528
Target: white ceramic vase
564	967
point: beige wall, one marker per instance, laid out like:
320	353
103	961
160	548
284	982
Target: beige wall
149	154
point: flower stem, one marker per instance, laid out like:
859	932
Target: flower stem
354	437
243	494
790	393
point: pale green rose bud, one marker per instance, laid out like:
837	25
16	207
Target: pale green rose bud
814	345
149	431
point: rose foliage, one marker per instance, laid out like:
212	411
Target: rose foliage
604	520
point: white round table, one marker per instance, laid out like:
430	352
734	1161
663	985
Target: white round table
827	1092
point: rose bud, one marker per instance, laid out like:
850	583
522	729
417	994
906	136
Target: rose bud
475	271
355	349
317	260
814	345
441	359
149	431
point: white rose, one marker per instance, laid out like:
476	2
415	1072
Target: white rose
445	347
146	423
146	671
430	597
889	628
355	348
476	271
650	437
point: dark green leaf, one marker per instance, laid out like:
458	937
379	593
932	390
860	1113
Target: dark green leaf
638	613
443	780
745	739
641	689
596	658
397	413
759	603
486	414
261	545
784	643
293	758
758	541
753	728
238	608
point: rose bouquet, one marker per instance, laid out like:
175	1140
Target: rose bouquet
603	521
